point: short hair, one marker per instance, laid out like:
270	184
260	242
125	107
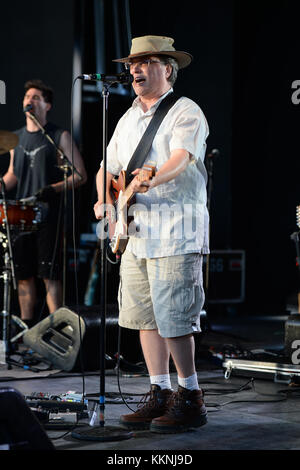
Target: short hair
46	90
174	64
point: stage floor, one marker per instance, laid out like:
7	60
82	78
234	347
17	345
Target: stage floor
244	412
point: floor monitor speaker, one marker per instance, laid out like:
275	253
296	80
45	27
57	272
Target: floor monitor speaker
70	341
19	427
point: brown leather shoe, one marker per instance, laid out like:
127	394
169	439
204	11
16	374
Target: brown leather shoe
155	406
186	410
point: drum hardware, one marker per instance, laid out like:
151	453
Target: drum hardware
21	325
24	217
8	275
16	219
8	141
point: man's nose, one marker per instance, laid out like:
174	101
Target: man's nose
134	66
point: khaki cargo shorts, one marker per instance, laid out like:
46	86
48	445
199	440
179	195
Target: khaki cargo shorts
161	293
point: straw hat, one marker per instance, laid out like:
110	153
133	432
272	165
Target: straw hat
156	45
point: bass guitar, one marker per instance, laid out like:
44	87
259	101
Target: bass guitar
123	198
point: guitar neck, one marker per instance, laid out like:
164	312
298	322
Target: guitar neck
146	174
128	193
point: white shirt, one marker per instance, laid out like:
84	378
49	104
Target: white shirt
172	218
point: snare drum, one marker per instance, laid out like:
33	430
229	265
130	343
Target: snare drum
21	217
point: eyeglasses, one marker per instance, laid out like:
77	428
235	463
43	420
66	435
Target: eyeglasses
140	63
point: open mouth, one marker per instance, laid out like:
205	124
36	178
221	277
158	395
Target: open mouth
139	80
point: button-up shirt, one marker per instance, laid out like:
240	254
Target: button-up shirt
171	218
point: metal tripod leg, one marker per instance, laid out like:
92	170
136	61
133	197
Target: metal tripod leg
5	313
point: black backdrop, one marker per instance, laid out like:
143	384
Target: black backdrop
265	157
245	60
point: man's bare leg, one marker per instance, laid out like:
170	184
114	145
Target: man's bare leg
27	297
156	352
182	351
53	294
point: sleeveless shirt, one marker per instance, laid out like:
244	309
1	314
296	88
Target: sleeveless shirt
35	160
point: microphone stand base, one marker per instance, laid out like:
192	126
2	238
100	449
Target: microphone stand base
102	433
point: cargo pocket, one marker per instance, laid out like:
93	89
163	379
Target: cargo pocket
182	300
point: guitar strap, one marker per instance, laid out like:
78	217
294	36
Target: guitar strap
140	154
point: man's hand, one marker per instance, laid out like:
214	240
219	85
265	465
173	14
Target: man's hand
99	210
139	185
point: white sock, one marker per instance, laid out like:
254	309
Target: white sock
163	381
190	383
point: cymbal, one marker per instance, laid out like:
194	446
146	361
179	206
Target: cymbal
8	141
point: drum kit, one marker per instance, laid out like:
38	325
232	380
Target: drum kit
16	218
21	217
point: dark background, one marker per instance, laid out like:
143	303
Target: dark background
245	60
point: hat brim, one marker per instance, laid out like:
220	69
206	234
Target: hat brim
183	58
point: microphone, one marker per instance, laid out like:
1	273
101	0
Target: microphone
214	153
123	77
27	108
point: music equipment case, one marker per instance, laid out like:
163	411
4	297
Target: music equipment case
281	373
287	367
227	273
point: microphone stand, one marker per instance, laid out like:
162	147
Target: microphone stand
102	432
8	275
66	165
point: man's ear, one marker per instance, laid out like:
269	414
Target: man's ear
169	70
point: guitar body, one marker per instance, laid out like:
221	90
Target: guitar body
118	185
118	224
123	197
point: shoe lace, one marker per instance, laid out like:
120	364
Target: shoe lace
176	404
147	400
173	401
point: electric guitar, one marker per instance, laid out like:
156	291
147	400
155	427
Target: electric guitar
123	197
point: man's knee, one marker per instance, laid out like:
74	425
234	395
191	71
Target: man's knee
25	285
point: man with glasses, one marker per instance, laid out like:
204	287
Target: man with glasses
161	292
